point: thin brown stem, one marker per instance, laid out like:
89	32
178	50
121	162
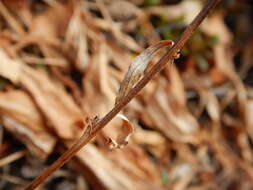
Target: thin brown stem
93	129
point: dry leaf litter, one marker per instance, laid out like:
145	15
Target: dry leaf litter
62	63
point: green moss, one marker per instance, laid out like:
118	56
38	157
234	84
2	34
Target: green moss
149	3
213	40
202	62
164	177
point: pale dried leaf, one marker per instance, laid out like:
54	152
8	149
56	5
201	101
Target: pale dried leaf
62	113
20	8
98	91
52	23
122	38
123	10
181	170
176	85
128	168
138	66
29	59
170	116
153	140
13	22
47	27
18	105
188	9
40	144
22	118
245	147
76	38
9	68
250	116
213	106
215	26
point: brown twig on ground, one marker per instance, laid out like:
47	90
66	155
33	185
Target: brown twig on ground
96	125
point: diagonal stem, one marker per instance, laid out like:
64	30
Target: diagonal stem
93	129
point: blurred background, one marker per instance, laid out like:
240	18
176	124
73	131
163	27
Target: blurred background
62	62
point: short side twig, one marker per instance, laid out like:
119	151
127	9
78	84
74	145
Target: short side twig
94	127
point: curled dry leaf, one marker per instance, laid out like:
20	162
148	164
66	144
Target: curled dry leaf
138	66
124	134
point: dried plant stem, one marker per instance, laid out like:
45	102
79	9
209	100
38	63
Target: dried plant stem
93	128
